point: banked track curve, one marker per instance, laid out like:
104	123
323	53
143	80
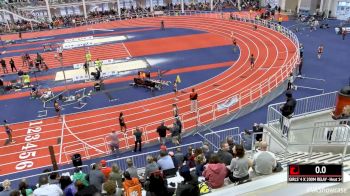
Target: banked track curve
272	50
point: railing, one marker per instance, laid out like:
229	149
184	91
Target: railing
33	179
215	138
139	160
304	106
327	133
332	132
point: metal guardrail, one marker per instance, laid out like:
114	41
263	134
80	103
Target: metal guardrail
320	136
34	178
304	106
139	160
215	138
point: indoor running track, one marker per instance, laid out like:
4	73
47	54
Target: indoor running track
272	50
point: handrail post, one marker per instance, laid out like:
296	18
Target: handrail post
346	143
311	146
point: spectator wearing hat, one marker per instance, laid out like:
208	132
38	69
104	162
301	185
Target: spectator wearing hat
165	161
6	184
131	169
215	172
189	186
104	169
163	147
96	177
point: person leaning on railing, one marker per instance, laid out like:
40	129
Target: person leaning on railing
287	110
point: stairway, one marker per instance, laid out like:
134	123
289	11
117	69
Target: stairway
74	56
316	158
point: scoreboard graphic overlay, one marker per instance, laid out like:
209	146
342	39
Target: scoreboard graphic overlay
315	173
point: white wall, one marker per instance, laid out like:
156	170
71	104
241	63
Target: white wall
343	15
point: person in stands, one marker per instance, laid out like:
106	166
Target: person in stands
239	165
215	172
104	169
129	181
264	162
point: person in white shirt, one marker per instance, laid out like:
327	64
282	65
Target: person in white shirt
264	162
165	162
46	188
47	94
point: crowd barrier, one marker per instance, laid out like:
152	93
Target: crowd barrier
307	105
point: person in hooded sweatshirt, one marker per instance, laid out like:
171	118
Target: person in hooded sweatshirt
129	182
215	172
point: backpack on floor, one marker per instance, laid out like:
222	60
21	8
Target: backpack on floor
204	188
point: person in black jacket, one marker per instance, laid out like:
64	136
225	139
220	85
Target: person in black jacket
287	110
190	184
161	130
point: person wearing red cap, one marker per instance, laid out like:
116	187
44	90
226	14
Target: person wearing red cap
104	169
163	147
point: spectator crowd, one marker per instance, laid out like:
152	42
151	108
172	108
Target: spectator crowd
198	167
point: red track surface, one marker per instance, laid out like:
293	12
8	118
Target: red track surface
272	50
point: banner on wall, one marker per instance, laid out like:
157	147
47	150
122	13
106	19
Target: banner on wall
273	3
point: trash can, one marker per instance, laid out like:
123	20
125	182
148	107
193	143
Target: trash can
76	160
343	99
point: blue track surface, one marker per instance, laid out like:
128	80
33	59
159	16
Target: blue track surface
333	67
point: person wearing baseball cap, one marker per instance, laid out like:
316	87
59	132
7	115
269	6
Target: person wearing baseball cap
104	169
